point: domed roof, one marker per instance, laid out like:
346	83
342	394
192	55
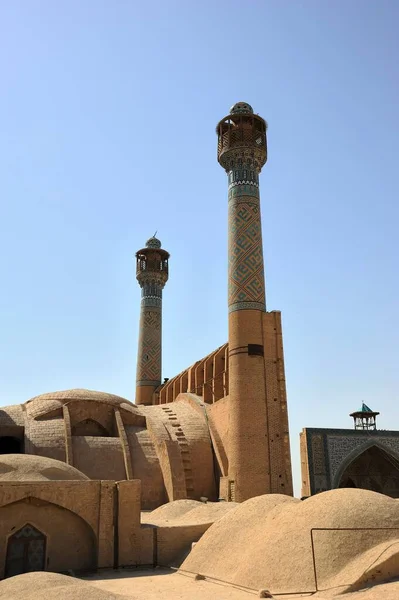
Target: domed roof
153	242
81	394
241	108
44	585
44	404
188	512
263	537
29	467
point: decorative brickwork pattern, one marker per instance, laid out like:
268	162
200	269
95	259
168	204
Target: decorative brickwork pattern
319	466
246	274
149	357
242	152
257	398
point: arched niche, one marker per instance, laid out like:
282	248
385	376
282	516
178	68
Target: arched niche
69	541
90	427
372	468
26	551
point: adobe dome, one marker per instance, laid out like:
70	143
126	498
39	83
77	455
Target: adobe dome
40	406
44	585
80	394
270	542
188	512
29	467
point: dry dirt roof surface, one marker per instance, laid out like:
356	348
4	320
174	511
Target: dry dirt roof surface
387	591
162	583
29	467
266	542
188	512
165	584
150	585
52	586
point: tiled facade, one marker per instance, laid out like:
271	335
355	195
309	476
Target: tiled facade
325	453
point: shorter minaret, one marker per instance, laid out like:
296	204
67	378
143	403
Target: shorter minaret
152	274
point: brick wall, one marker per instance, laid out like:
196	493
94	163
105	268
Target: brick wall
218	419
46	438
305	490
128	522
146	467
276	399
106	523
173	543
99	457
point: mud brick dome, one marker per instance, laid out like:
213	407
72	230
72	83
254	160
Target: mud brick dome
25	467
106	437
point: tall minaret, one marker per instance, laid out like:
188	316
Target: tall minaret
152	274
258	449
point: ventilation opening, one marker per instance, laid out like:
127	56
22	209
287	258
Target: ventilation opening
255	350
10	445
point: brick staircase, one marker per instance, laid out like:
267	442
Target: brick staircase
184	450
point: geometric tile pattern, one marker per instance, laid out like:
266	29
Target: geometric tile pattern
243	179
337	445
246	271
245	188
151	293
149	351
340	447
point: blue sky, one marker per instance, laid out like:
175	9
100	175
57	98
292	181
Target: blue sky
107	121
